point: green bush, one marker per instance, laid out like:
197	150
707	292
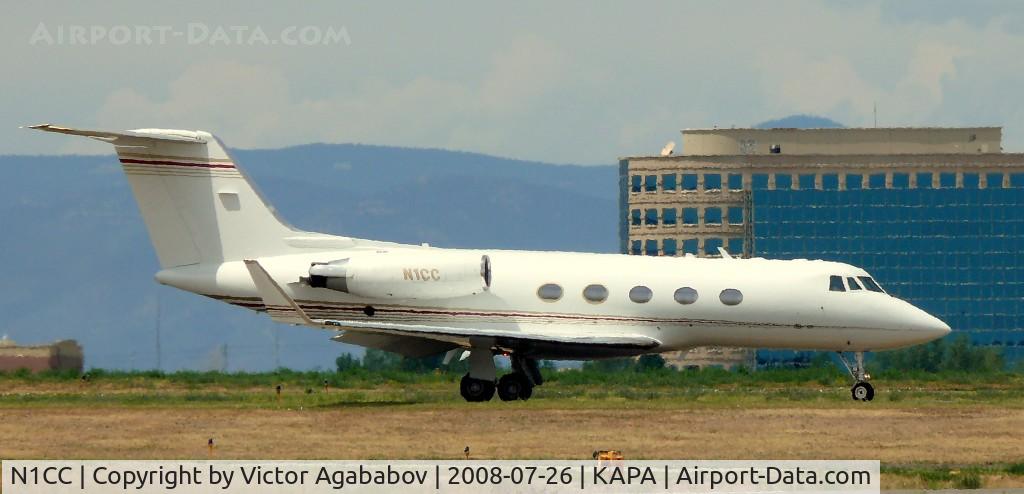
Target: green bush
958	356
968	480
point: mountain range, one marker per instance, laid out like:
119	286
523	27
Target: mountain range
79	262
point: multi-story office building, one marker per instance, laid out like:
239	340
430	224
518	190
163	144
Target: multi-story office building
935	213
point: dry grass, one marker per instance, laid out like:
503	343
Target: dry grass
912	427
895	436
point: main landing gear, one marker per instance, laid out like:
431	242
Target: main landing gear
862	389
479	384
476	389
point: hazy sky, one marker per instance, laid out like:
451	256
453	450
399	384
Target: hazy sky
566	82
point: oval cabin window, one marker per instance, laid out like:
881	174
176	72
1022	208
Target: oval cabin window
685	295
640	294
550	292
731	296
595	293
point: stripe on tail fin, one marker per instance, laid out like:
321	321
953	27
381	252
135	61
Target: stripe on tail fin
197	204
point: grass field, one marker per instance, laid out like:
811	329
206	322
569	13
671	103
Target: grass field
928	432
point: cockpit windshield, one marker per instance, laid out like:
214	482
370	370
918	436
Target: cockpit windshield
836	283
870	284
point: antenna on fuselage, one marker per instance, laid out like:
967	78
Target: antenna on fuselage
724	253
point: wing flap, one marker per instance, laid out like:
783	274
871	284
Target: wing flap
463	335
407	346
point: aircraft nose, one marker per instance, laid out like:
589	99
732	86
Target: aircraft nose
927	324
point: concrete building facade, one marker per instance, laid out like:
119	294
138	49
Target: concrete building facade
883	199
59	355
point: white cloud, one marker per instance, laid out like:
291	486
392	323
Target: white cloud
252	105
556	86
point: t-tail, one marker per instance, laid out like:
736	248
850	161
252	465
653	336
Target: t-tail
198	205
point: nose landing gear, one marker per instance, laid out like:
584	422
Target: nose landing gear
862	389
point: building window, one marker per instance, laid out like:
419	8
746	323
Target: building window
1017	180
549	292
993	180
651	183
636	183
668	216
651	217
736	246
634	217
900	180
711	246
730	296
947	180
689	181
876	181
924	180
830	181
640	294
651	247
854	181
712	216
668	246
970	180
806	182
635	247
783	181
595	293
685	295
689	216
712	181
735	215
735	181
835	284
759	181
668	182
690	246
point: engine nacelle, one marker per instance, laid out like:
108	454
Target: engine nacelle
407	276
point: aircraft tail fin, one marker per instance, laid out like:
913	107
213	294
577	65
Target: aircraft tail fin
197	203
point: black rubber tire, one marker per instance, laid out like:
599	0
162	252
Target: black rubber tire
526	392
511	386
476	390
862	391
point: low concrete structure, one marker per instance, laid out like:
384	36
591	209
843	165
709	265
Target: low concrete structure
59	355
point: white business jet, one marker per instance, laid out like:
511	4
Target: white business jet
216	236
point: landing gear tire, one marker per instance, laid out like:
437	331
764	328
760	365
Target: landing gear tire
514	386
476	389
862	391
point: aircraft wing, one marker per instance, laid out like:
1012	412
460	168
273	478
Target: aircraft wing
283	308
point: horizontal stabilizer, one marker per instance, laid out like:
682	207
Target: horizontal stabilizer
127	137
